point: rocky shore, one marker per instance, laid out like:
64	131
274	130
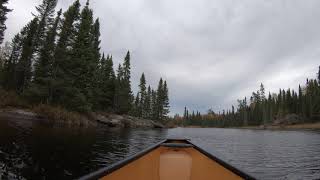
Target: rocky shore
91	119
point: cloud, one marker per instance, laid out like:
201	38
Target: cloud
211	52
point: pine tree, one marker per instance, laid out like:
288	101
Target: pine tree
62	84
124	84
96	88
23	70
160	95
319	75
262	93
154	105
83	65
143	94
5	53
148	102
135	108
96	39
118	89
45	15
3	17
41	88
107	85
9	67
166	106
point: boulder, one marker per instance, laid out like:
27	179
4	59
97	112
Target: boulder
126	121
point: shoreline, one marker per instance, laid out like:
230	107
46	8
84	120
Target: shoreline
62	117
303	126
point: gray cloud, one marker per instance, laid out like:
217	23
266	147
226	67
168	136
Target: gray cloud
211	52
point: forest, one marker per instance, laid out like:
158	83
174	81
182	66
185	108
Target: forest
262	109
56	60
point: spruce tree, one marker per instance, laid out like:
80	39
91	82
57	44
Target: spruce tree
95	35
3	17
160	97
166	107
83	65
24	69
124	96
107	84
118	89
9	67
42	84
143	94
62	83
135	108
154	105
45	15
148	103
319	75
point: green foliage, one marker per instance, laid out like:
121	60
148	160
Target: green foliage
61	84
45	15
56	62
105	91
3	17
40	90
263	111
124	97
319	75
143	94
23	72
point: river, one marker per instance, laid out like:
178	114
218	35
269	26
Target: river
34	150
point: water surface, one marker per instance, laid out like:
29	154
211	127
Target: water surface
34	150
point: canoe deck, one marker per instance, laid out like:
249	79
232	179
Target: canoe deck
172	160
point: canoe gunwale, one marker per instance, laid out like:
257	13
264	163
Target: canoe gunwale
235	170
108	170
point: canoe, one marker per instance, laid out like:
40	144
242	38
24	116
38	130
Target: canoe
172	159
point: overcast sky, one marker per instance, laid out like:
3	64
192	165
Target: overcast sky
211	52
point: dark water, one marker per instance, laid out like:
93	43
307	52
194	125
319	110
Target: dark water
33	150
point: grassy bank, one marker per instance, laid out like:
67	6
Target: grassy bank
14	104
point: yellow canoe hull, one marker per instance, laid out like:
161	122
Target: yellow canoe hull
171	160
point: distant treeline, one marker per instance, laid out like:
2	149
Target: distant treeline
262	109
56	60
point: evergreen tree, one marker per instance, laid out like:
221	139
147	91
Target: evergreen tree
148	102
107	84
162	100
124	87
62	84
118	89
3	17
319	75
24	69
41	88
83	65
135	108
143	94
95	35
9	67
166	106
160	95
45	15
154	105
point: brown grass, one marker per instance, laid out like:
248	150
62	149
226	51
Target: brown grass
60	115
11	99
